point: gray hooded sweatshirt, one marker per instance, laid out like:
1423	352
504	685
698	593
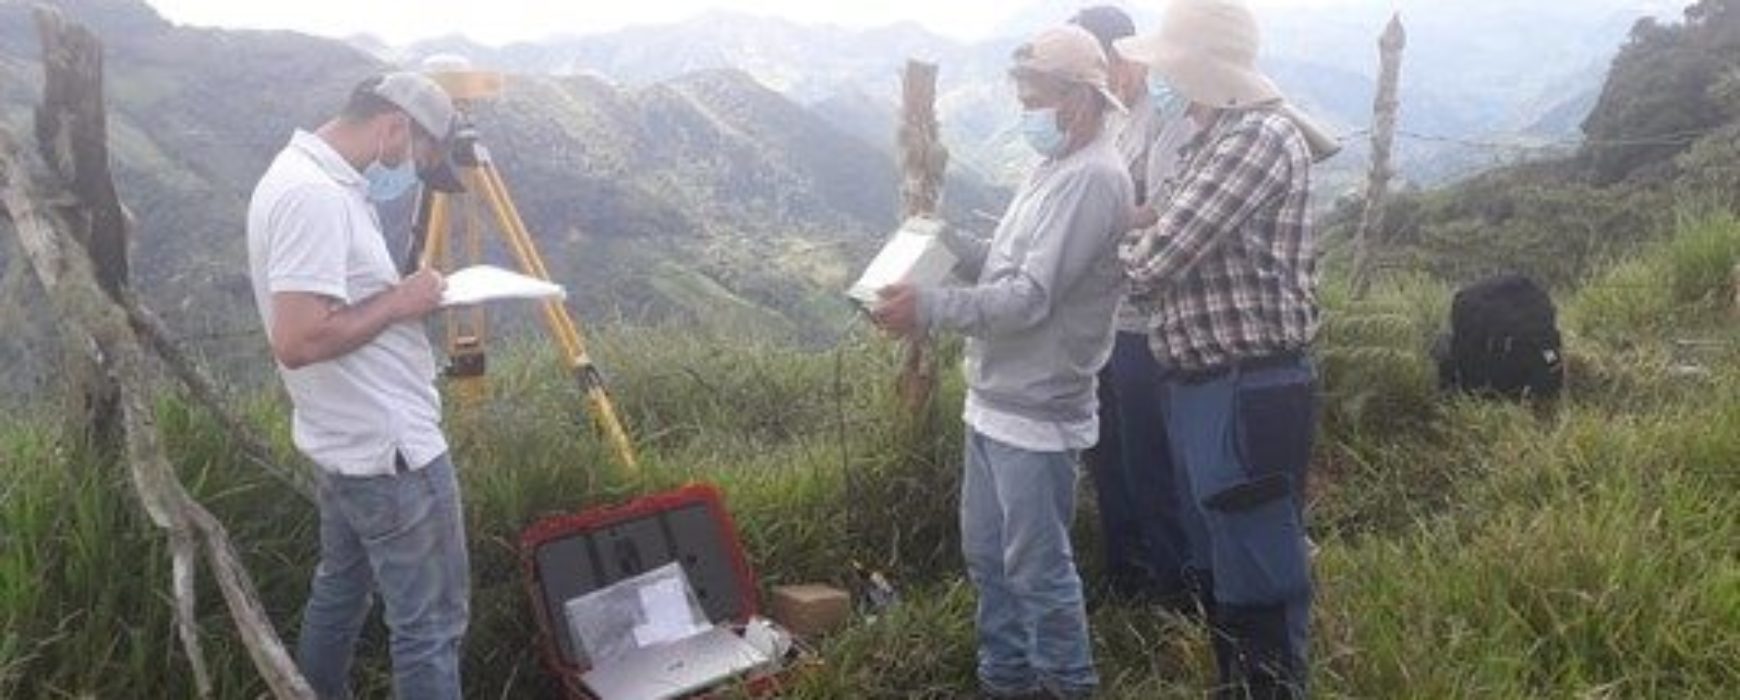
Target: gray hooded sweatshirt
1039	320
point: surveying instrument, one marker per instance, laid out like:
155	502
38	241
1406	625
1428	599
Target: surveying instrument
441	210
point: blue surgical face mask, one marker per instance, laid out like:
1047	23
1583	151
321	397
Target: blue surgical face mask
387	184
1168	102
1040	128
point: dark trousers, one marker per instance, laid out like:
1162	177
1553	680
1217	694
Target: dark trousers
1244	439
1141	494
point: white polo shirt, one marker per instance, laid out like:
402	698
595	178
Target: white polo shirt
312	229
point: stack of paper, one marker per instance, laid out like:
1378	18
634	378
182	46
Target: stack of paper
664	604
914	255
483	283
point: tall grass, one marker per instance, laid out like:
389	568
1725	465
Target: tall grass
1670	284
1593	556
1701	259
1374	355
1469	549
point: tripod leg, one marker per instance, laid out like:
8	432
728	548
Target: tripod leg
467	328
462	327
434	246
560	322
484	181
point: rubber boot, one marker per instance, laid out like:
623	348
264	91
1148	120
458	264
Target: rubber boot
1253	654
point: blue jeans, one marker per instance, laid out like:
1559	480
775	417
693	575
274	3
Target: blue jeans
1244	440
1016	508
403	536
1141	503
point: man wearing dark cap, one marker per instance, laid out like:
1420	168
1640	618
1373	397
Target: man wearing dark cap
346	332
1147	551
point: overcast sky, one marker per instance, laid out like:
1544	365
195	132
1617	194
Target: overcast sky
500	21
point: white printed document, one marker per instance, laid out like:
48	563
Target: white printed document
665	606
483	283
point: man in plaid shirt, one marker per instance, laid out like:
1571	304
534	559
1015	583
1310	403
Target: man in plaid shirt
1229	267
1227	270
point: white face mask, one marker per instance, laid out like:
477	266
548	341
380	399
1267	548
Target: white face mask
1039	127
1168	102
387	184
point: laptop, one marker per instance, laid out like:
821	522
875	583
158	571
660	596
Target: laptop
676	669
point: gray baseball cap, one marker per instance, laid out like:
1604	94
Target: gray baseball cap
428	105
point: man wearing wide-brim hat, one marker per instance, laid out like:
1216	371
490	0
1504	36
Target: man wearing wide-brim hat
1229	272
1039	325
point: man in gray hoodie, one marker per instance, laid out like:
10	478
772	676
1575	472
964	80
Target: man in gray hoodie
1039	324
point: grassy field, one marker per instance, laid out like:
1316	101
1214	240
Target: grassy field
1587	550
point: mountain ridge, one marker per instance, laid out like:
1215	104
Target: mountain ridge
709	177
1325	57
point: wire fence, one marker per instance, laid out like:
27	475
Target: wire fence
1679	138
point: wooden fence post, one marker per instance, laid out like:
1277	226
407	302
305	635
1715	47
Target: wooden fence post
924	161
1383	138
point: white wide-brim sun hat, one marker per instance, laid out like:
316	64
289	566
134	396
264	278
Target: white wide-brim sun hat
1207	50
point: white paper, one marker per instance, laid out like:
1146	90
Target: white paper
914	255
665	605
484	283
607	622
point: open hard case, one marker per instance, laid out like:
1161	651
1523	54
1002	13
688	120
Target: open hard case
567	557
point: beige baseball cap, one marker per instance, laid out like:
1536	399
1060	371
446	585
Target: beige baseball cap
1068	53
1207	50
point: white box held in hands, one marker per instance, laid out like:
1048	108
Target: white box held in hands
915	254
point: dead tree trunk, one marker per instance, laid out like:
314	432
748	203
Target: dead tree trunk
72	140
69	222
923	161
70	279
1383	138
71	135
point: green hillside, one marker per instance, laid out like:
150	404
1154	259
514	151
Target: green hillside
1468	549
1664	135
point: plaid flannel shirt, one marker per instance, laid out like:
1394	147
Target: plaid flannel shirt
1229	272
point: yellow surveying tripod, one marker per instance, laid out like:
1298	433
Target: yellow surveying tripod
432	246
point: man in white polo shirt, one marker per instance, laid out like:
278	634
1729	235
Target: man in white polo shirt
346	332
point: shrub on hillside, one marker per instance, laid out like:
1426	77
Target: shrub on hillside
1374	356
1621	303
1701	259
1535	220
1685	274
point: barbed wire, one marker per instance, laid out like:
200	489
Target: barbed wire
1679	138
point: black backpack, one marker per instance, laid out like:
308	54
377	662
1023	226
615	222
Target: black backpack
1504	341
